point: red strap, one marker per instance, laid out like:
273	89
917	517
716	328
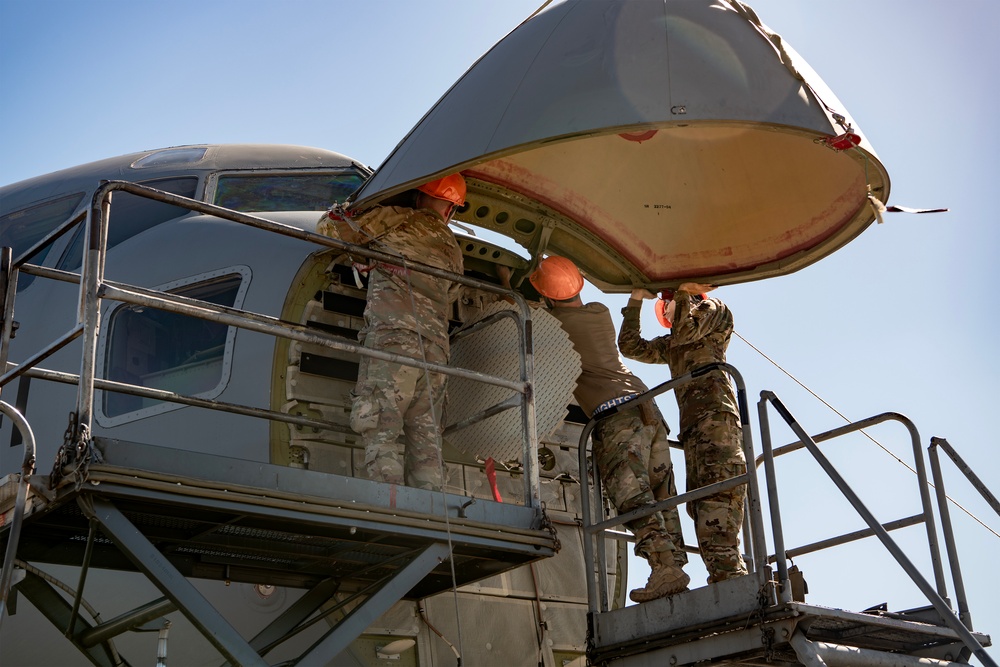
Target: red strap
491	475
843	141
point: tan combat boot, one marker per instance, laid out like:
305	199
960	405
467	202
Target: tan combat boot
665	579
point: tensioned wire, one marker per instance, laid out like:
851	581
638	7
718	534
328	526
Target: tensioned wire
866	434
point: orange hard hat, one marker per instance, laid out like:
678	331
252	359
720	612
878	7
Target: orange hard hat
450	188
662	304
557	278
660	309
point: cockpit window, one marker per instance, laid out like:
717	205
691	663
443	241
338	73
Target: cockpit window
171	157
285	191
22	229
132	214
163	350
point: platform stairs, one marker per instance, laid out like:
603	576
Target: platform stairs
131	506
762	618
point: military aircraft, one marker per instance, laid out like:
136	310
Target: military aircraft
205	428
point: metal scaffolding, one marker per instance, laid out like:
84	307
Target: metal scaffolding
173	518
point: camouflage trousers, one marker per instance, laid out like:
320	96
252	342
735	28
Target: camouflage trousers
391	399
623	445
713	452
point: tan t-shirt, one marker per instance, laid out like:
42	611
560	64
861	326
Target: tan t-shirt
603	375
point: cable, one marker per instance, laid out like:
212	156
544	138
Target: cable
48	578
96	615
540	622
842	416
420	612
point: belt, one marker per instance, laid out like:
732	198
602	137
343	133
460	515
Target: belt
607	405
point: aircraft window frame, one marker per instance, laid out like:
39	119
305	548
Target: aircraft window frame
213	186
171	157
72	256
106	340
45	216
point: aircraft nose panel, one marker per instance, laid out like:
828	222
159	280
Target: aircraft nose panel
651	141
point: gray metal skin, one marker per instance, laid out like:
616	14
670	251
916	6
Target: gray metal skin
710	132
236	157
45	308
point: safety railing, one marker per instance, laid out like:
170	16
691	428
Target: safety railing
600	531
942	497
8	286
21	499
935	594
94	289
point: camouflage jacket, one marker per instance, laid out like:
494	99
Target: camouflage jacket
700	335
399	299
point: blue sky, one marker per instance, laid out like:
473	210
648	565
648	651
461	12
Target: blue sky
902	319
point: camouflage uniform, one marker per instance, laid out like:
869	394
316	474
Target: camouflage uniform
407	314
622	450
622	443
710	421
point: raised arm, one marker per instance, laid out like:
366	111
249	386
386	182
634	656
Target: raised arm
692	324
367	227
630	340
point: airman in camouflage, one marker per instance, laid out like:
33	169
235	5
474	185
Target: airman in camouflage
406	314
632	477
630	448
710	421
